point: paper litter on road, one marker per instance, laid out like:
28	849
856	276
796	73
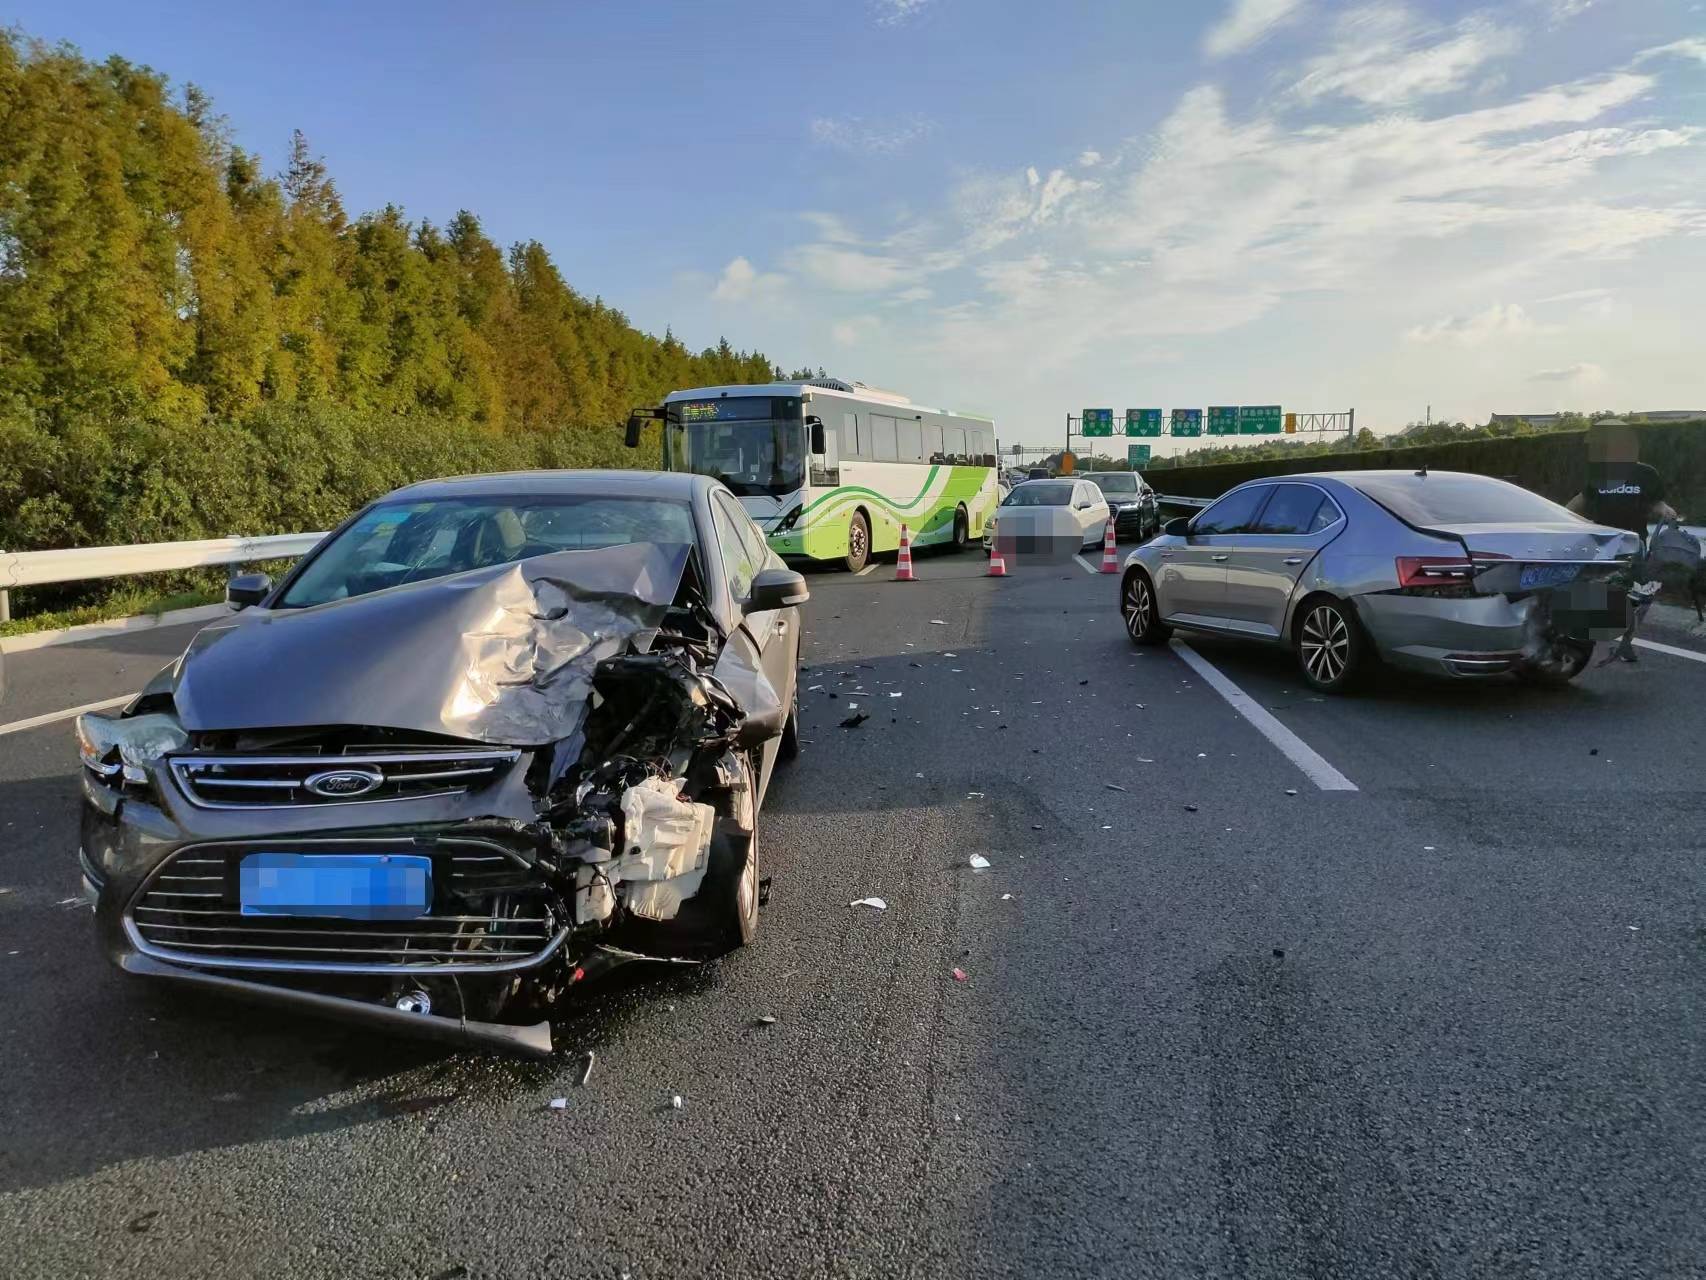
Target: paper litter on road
878	903
558	1104
894	695
979	862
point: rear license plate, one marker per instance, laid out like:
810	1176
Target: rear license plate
335	885
1547	575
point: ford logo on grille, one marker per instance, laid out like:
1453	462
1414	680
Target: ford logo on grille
342	784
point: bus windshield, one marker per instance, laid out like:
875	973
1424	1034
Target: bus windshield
753	444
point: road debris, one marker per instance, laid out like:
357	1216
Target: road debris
878	903
855	720
586	1069
142	1221
766	1019
974	795
675	1103
1006	897
938	622
979	862
1291	791
1113	786
558	1104
960	975
1190	808
894	695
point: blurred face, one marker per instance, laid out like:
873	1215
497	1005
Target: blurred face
1614	444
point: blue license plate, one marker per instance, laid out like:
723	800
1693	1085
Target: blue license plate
344	886
1548	575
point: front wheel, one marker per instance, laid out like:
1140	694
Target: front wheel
858	542
1563	661
1141	611
1329	646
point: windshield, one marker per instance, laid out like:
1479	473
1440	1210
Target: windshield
1114	482
400	542
1456	499
1040	495
753	444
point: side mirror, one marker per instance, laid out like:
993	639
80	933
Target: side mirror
247	589
1178	527
636	424
776	589
820	445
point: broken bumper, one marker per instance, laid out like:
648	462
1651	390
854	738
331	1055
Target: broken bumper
1467	638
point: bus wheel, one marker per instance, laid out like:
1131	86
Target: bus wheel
858	542
962	530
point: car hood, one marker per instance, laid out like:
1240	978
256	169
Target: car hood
503	654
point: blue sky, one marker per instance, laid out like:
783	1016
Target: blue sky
1029	208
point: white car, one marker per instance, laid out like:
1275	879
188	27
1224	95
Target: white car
1065	515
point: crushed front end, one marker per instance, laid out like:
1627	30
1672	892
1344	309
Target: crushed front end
450	856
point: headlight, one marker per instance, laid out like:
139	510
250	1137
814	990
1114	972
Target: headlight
111	747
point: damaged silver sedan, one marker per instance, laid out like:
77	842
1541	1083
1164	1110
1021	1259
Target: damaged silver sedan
493	735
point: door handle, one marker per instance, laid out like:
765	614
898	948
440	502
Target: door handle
781	627
1294	559
1224	557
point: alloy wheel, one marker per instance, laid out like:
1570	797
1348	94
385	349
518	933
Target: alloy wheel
1139	607
1326	644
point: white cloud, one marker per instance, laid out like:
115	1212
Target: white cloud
1089	159
1247	24
1384	56
1496	321
1564	10
870	137
741	282
894	13
854	330
1582	374
1693	47
847	269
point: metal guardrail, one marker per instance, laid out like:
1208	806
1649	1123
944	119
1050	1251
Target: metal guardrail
1178	500
81	564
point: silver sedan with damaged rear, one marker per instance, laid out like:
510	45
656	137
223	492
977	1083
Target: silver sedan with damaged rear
492	735
1441	572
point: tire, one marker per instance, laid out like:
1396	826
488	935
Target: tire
858	542
1141	610
1566	660
1330	645
962	530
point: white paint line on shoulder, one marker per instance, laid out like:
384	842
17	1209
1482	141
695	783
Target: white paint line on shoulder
1084	564
870	568
52	717
1294	748
1693	655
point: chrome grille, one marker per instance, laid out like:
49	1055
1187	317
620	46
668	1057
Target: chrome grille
481	917
282	781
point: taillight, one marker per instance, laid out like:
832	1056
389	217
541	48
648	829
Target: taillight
1435	571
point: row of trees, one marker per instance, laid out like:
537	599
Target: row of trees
161	294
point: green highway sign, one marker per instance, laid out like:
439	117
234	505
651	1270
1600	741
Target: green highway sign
1260	420
1223	420
1097	422
1143	422
1137	455
1187	422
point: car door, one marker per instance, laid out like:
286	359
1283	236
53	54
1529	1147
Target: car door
1192	585
1269	557
744	555
1092	510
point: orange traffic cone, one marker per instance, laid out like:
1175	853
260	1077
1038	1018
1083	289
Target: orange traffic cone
1110	557
903	567
997	566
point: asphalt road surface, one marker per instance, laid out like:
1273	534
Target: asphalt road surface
1216	1022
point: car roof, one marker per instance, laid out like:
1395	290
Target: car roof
677	485
1355	478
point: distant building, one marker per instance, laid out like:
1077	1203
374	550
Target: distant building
1669	415
1544	421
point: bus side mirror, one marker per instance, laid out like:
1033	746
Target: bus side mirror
636	424
819	444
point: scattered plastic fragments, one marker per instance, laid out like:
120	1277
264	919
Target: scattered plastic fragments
894	695
1291	791
938	622
878	903
142	1221
1006	897
855	720
979	862
1113	786
974	795
586	1069
675	1102
960	975
558	1104
766	1019
1202	755
1190	808
1083	682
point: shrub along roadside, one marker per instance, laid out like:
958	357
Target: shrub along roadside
278	469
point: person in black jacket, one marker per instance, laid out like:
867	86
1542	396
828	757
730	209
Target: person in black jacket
1622	492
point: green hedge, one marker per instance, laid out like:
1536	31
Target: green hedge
1552	464
278	469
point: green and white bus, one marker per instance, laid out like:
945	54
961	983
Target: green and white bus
830	470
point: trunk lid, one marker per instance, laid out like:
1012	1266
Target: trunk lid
1513	558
